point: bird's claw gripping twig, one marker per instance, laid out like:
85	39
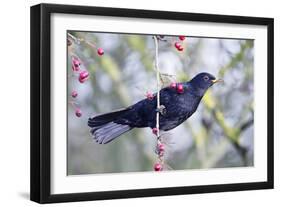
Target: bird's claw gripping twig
162	110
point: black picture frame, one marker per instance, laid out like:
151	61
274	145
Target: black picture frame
40	184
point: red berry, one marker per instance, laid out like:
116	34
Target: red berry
155	131
75	68
75	64
83	76
177	45
161	147
100	51
74	94
182	38
81	80
180	48
78	112
149	96
158	167
180	88
173	85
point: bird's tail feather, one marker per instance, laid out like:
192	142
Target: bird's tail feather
104	129
108	132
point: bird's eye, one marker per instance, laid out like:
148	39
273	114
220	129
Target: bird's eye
206	78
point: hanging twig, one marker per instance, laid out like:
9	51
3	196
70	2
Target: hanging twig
159	145
158	85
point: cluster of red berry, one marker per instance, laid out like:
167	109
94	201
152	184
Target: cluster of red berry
83	76
78	111
178	45
177	86
160	149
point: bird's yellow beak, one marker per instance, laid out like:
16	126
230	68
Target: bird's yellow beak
217	81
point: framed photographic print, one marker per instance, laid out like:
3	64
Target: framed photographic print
132	103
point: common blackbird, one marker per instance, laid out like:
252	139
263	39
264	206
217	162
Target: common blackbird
176	107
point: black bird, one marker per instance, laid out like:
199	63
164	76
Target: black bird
177	107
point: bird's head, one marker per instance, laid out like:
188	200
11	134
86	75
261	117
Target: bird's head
203	81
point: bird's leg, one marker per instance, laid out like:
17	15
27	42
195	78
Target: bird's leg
162	110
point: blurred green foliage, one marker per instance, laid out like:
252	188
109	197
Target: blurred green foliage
219	134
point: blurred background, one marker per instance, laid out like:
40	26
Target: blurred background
218	135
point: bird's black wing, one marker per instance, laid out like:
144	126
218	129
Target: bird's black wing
179	107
